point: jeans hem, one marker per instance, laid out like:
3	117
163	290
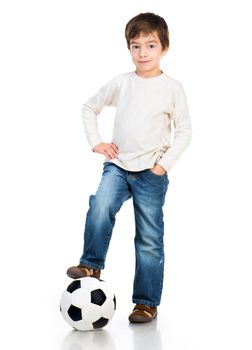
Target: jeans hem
144	302
92	266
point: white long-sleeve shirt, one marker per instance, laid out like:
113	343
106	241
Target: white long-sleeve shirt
146	109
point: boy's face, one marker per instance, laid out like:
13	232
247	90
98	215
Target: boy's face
146	52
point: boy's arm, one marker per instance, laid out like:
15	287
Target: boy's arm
183	131
92	108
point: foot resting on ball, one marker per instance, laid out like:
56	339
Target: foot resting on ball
83	271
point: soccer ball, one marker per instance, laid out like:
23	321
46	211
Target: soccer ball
87	304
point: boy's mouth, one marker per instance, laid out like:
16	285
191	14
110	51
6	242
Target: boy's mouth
142	62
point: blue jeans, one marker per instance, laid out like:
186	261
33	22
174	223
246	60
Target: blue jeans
148	193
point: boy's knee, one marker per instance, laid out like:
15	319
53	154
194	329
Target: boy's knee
101	204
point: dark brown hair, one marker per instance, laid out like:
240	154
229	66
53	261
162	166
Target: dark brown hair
147	23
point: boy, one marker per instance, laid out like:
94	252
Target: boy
137	160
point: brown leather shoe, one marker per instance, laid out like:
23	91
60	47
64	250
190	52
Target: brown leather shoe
142	314
83	271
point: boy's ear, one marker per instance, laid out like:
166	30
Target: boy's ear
164	51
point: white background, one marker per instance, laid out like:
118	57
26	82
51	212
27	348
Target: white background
54	56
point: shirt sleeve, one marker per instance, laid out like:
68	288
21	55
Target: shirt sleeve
106	96
183	130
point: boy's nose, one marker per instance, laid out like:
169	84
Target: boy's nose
142	53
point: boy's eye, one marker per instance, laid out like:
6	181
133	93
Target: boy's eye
136	47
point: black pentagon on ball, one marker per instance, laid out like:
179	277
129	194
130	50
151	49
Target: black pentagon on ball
73	286
114	300
100	323
98	297
74	313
